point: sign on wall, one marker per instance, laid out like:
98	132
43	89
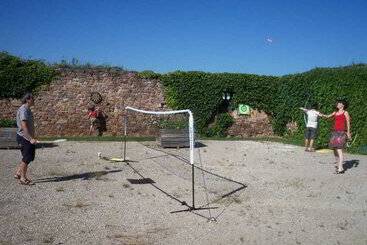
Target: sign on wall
244	109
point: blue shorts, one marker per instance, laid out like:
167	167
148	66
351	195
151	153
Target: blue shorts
310	133
27	149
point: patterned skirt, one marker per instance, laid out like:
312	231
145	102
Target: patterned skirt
338	140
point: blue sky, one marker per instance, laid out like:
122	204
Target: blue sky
261	37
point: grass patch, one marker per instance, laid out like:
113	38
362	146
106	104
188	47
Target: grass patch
285	140
78	204
60	189
5	243
296	183
229	200
277	139
98	138
125	185
48	240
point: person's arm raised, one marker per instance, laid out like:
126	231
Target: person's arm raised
303	109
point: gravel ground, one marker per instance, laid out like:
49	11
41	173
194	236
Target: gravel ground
252	193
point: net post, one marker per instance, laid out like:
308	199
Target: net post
192	145
125	134
193	186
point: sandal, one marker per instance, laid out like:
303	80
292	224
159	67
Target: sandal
25	182
340	171
17	176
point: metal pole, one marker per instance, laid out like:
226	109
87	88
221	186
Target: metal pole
192	148
125	132
193	186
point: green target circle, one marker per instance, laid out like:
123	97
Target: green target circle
243	109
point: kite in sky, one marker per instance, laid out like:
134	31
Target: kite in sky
269	40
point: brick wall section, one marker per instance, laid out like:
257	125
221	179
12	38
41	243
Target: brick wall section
8	108
255	124
61	108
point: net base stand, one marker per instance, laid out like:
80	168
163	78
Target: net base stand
191	208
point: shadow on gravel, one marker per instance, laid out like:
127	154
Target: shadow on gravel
350	164
83	176
189	208
45	145
141	181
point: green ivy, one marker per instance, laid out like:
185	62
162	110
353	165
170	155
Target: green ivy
279	97
7	123
147	74
202	93
222	122
19	76
324	86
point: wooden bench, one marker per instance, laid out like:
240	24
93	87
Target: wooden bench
173	138
8	138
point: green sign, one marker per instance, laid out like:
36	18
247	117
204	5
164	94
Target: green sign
243	109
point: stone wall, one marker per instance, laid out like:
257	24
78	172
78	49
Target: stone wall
256	124
61	108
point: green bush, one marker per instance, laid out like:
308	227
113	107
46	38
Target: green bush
279	97
19	76
324	86
202	93
7	123
173	124
222	122
149	74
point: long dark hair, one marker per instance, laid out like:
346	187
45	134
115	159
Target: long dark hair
343	101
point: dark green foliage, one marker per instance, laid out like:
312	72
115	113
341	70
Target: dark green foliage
222	122
279	97
202	93
324	86
173	123
149	75
76	65
7	123
19	76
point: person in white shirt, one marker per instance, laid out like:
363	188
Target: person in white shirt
311	126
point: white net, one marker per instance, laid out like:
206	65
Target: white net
169	162
159	122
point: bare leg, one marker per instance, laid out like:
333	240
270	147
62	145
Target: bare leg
311	145
23	172
306	144
341	159
336	158
18	172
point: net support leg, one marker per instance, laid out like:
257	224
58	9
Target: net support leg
193	186
125	133
192	146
